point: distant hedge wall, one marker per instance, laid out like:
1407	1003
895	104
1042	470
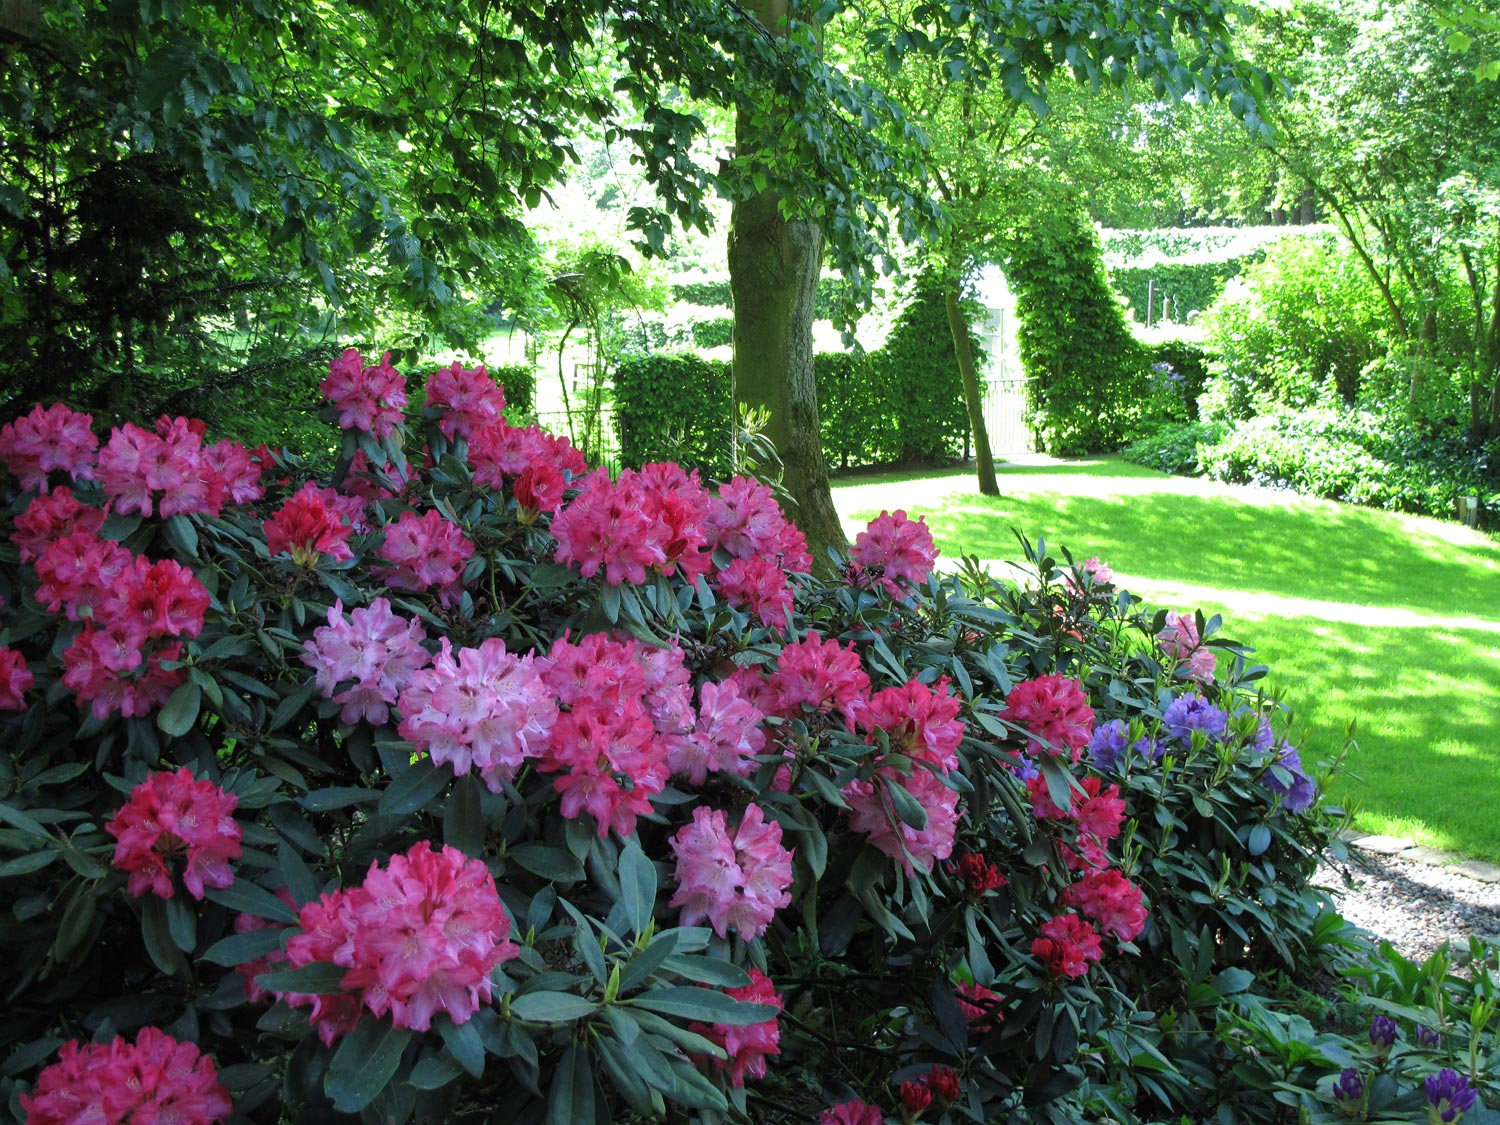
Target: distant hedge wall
714	294
1192	286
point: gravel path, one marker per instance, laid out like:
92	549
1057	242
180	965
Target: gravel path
1414	905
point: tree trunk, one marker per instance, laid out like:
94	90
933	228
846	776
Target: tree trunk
985	462
773	276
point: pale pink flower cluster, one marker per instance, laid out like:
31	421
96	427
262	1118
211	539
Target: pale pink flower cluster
747	1046
470	400
49	518
45	441
170	815
1180	641
1111	901
502	452
746	522
365	398
605	750
425	551
489	711
734	880
647	520
893	553
171	470
727	737
311	523
372	650
15	680
819	676
1055	711
154	1080
420	935
1090	576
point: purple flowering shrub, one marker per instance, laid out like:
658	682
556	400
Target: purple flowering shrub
465	777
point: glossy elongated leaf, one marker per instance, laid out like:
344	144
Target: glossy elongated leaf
421	782
364	1063
637	886
236	949
245	896
705	1005
463	1042
181	711
552	1007
317	979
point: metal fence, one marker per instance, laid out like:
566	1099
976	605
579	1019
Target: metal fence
1005	417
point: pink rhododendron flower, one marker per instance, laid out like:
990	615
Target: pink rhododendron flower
944	1084
1091	575
745	521
982	1007
172	814
596	667
376	650
1067	945
425	551
501	452
736	881
1055	711
757	585
727	737
470	400
893	553
539	489
1098	814
237	470
366	398
78	570
750	1045
853	1112
309	525
489	710
155	599
170	470
915	1098
249	970
874	815
155	1079
47	441
50	518
647	520
817	675
920	721
1111	901
15	680
421	935
608	761
96	669
1180	641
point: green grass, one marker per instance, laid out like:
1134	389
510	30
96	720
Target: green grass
1389	621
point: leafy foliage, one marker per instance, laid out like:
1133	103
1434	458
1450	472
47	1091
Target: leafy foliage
921	377
1174	447
675	405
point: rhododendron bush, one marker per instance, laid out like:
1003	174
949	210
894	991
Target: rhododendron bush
468	777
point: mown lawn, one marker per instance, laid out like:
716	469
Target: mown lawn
1388	621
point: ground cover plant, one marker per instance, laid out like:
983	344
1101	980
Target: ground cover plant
1386	619
463	776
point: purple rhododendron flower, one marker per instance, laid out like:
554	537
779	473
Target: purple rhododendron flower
1287	777
1382	1033
1349	1088
1107	747
1188	713
1450	1094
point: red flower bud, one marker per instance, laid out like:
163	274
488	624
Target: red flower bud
915	1097
943	1083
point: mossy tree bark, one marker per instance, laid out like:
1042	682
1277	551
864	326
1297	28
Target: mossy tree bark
774	264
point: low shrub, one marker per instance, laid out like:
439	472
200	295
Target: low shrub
1174	447
1358	457
461	778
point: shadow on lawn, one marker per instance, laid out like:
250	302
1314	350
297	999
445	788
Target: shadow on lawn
1324	552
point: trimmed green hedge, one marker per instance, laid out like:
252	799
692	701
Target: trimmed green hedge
715	294
675	406
713	333
519	381
1192	286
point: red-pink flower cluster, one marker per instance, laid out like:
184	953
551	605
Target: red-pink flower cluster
1055	712
758	586
727	737
131	606
418	936
309	525
15	680
171	471
45	441
1097	817
502	452
736	881
425	551
470	400
821	676
915	1098
893	553
172	814
1180	641
155	1079
746	522
944	1084
249	970
365	398
605	749
1067	945
920	721
748	1046
982	1007
853	1112
50	518
1111	901
489	710
647	520
372	650
978	874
